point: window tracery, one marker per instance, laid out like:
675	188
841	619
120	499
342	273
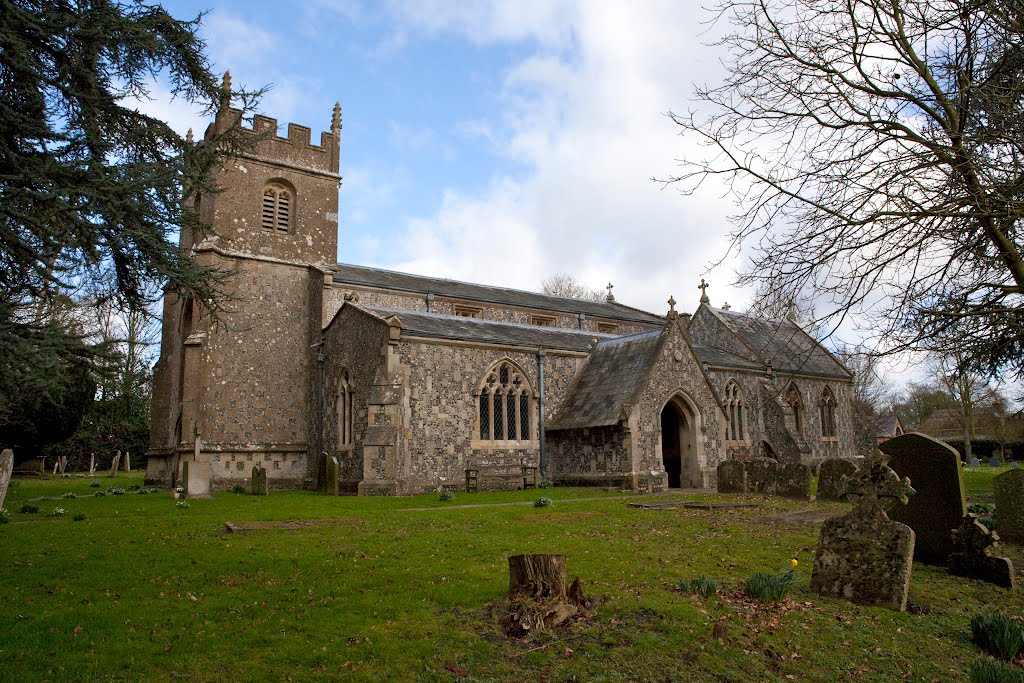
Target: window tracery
795	402
827	412
504	404
345	410
735	418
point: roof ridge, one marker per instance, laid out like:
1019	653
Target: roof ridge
486	321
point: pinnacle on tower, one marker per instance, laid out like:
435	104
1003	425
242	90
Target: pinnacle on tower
225	91
336	119
188	137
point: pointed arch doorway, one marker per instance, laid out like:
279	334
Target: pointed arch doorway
679	444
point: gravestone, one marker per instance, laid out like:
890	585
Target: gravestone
259	481
127	461
993	461
195	474
331	478
762	476
1009	494
1014	464
794	481
56	465
975	462
113	466
92	463
731	477
6	467
863	556
832	477
975	557
939	504
63	460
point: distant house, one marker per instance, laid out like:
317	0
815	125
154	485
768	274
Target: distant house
889	426
994	431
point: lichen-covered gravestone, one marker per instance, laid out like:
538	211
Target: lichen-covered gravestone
762	476
794	481
864	556
6	467
731	477
975	555
1009	490
939	505
831	478
259	481
116	462
975	462
329	486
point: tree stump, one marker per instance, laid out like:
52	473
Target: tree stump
538	576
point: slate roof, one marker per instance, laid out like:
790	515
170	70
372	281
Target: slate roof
784	343
421	284
439	326
608	382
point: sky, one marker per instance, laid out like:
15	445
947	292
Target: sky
495	142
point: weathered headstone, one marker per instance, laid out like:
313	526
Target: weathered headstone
1009	494
794	481
975	555
195	474
115	463
762	476
939	505
864	556
259	481
127	461
1014	464
56	465
92	463
975	462
832	477
993	461
6	467
732	477
331	476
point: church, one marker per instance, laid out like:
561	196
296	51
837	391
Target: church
410	381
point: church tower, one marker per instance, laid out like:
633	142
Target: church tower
238	390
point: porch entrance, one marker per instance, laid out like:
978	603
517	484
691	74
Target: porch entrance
678	452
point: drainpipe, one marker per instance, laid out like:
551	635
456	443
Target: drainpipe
430	302
319	397
541	357
582	319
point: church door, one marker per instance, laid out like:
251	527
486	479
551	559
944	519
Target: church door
670	456
679	444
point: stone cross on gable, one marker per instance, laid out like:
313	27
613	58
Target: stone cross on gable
876	485
672	314
611	297
703	287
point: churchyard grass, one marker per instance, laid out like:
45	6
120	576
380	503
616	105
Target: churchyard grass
142	590
978	482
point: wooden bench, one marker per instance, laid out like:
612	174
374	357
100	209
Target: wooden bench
527	474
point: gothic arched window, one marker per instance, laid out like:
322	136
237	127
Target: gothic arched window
278	206
345	410
794	401
504	404
827	411
735	420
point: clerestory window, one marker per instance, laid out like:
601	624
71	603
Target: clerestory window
735	425
504	404
827	412
278	207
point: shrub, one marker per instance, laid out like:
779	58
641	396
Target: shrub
997	635
980	508
134	487
29	509
115	492
79	516
545	484
5	516
769	587
991	523
94	484
705	585
237	488
542	502
446	497
183	504
57	512
70	494
988	670
99	494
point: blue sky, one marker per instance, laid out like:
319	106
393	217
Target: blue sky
491	141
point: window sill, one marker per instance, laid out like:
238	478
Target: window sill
480	444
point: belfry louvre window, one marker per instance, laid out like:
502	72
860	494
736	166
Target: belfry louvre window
278	206
735	426
827	411
504	404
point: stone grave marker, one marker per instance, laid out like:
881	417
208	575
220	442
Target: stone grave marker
127	461
331	480
259	481
939	505
975	462
113	466
831	478
92	463
731	477
196	476
863	556
762	476
1014	464
975	555
794	481
993	461
1009	494
6	467
56	465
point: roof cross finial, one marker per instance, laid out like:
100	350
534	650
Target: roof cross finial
611	297
726	306
703	287
672	313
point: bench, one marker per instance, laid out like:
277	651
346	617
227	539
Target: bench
527	474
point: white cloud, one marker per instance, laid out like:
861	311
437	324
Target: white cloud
234	43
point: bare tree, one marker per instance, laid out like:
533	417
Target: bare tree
564	284
872	398
875	149
968	390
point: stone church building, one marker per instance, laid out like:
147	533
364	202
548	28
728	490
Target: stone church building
409	380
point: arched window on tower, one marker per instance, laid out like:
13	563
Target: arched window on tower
345	410
795	402
736	420
504	404
278	207
827	412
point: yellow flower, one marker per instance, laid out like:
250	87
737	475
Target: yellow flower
793	563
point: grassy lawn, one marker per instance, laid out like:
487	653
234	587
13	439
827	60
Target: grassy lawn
144	590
